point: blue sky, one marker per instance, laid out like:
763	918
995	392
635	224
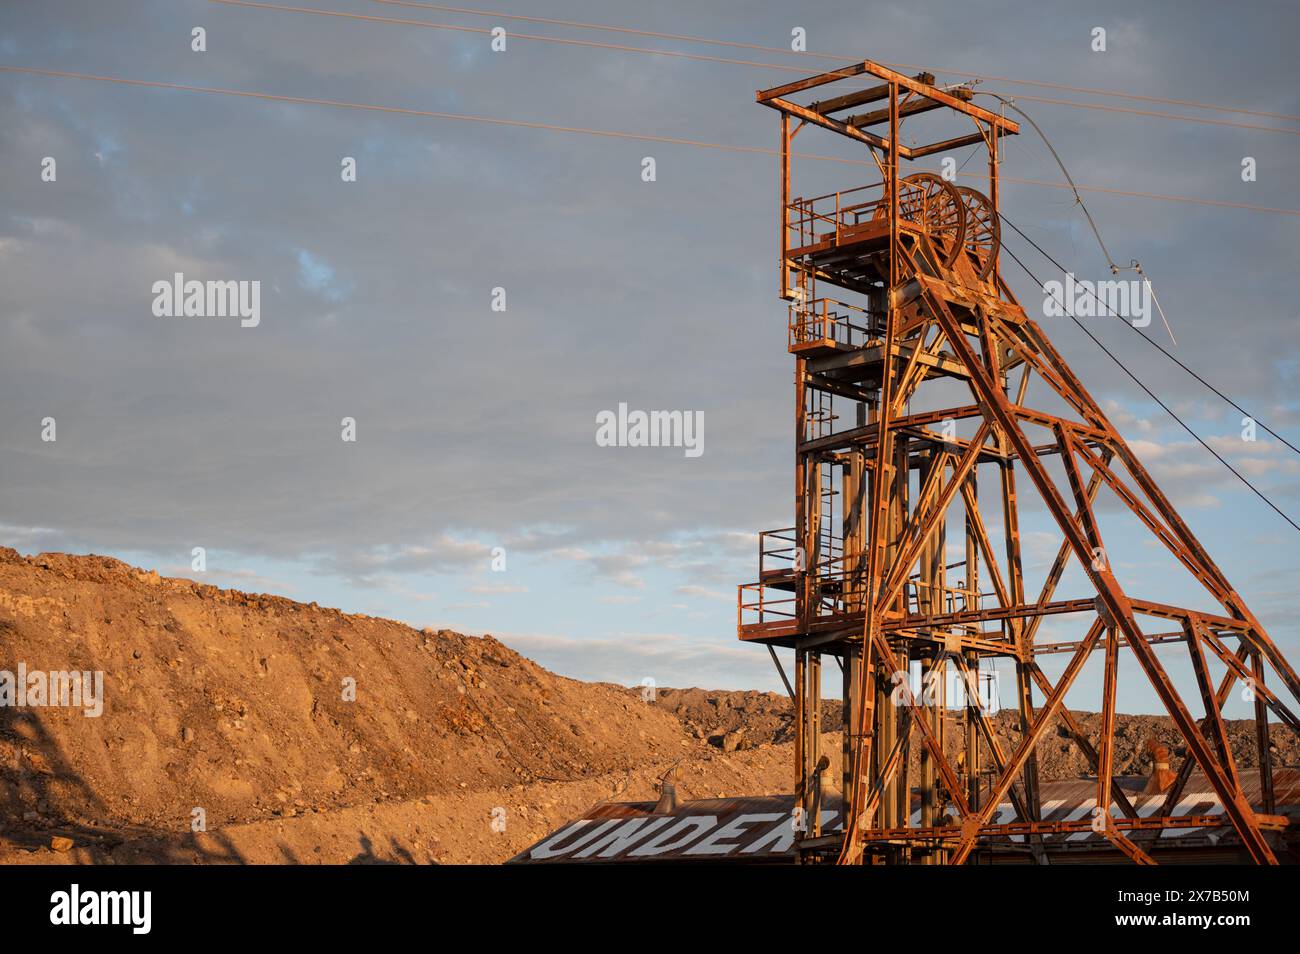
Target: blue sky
475	427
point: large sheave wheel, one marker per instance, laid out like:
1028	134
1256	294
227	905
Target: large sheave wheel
983	233
925	200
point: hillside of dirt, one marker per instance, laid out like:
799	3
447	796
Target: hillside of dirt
243	727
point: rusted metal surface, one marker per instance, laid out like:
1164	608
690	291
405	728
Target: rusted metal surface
735	830
882	474
1197	821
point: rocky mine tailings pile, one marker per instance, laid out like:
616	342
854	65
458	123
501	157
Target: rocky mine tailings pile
235	703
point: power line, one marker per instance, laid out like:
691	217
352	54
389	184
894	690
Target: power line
1093	91
1115	269
1167	409
1114	266
423	113
1142	195
1133	111
602	133
458	28
569	41
1155	344
1138	97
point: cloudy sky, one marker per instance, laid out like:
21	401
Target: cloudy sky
475	427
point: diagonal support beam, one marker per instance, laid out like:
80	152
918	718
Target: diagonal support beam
887	773
930	509
1106	755
1236	663
899	679
1126	845
1153	523
1175	792
1233	603
1081	740
1213	711
976	710
1058	569
1112	597
1027	745
985	544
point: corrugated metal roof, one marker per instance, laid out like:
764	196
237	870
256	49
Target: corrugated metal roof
761	829
758	829
1074	800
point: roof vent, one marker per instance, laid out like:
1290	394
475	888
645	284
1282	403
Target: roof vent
668	800
1161	775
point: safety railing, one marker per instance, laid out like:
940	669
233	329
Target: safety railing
837	592
810	220
777	550
943	599
758	603
825	320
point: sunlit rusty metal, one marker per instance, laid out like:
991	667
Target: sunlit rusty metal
882	474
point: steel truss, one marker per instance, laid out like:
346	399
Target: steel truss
862	576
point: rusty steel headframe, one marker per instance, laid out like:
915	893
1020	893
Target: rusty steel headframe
862	576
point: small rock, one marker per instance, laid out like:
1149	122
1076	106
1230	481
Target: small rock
59	843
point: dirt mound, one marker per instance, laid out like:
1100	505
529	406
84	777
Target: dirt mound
734	721
248	706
